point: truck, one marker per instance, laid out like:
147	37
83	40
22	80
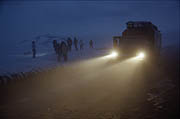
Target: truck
139	38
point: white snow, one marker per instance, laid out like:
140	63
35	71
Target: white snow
20	59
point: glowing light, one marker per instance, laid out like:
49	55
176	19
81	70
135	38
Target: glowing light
114	54
140	56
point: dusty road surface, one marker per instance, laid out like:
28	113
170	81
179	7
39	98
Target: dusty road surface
97	88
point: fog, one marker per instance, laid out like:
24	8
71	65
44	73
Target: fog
97	20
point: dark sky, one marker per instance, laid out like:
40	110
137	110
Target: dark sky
97	20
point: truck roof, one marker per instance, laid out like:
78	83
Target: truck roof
140	24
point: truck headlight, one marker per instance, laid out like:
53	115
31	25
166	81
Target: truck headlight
114	54
140	55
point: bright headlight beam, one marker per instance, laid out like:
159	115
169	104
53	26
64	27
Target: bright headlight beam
140	56
114	54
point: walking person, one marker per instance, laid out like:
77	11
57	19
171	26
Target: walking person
91	44
33	49
76	43
55	45
64	49
69	42
81	43
58	52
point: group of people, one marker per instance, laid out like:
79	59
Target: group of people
75	42
62	48
81	44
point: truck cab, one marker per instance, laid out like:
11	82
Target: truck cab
138	36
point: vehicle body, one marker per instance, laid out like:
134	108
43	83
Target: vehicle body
139	36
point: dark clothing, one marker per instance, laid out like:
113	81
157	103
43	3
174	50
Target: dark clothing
91	44
64	49
81	44
59	52
55	45
65	57
76	44
69	42
34	53
33	49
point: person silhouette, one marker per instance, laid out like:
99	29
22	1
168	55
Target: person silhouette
81	43
76	43
91	44
64	49
33	49
69	43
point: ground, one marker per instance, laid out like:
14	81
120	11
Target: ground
97	88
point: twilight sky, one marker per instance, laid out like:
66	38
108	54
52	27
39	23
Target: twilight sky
97	20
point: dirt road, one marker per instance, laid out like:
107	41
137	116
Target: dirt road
92	89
